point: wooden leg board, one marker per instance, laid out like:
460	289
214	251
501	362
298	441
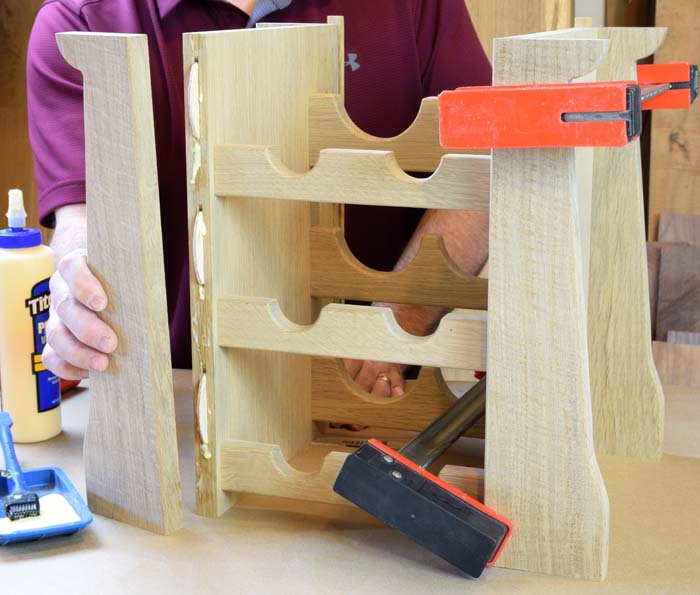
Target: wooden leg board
540	464
628	402
627	394
131	463
335	397
432	278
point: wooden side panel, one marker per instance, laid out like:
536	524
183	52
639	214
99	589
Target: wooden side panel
541	470
674	174
130	451
628	405
254	247
432	278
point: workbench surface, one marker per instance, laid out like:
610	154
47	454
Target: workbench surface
654	509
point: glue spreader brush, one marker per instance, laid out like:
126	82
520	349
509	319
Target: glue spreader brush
396	488
19	502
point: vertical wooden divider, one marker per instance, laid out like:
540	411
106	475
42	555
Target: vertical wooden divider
257	247
540	465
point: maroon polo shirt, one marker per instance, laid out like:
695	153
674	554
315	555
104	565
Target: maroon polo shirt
397	52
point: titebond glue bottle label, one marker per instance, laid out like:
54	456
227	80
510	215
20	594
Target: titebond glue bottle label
47	384
28	391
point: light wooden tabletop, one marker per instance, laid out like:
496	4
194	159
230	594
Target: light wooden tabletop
654	509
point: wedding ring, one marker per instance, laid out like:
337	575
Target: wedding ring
385	378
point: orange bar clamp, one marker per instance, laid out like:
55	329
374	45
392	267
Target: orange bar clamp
529	116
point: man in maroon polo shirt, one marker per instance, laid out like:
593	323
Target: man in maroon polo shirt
398	51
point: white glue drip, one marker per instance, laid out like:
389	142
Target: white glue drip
55	510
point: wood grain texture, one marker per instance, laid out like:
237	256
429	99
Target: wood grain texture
678	364
627	395
16	162
357	332
674	173
353	177
431	278
502	18
679	227
679	290
254	247
416	149
336	397
469	480
130	447
541	470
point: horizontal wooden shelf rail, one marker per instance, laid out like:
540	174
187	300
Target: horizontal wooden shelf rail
360	332
261	469
417	148
336	397
432	278
353	177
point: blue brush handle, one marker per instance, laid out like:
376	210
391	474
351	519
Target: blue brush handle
8	450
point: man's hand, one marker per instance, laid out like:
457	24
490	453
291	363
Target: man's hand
76	339
466	238
378	378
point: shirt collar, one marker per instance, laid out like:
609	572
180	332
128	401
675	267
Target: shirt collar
261	10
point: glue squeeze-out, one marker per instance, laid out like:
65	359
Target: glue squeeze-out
28	391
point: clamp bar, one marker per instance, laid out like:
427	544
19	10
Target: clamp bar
632	116
682	79
533	116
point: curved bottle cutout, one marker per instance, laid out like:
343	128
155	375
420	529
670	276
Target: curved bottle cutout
432	278
358	332
336	396
365	177
417	148
257	468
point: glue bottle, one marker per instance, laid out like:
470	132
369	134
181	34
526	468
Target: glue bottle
28	391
